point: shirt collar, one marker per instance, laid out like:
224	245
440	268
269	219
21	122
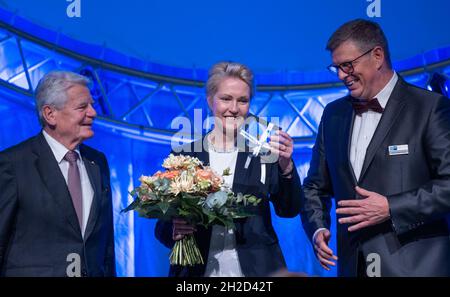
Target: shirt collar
58	149
385	93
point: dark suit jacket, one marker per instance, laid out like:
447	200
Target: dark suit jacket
256	241
415	241
38	223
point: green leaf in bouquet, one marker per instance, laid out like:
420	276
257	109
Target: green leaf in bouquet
135	204
216	217
243	214
190	205
189	196
190	209
226	171
151	208
153	196
164	206
162	184
216	200
165	184
192	219
210	215
168	216
183	213
150	212
227	223
203	185
252	200
157	182
133	193
225	211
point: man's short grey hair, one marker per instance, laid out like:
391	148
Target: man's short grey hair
52	90
364	33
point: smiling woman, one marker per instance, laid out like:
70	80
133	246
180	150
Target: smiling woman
149	61
251	249
228	90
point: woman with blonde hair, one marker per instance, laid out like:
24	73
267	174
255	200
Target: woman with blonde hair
251	249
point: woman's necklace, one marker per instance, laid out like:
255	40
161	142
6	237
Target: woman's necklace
211	145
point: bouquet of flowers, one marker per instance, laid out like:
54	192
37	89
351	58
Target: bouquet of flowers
187	189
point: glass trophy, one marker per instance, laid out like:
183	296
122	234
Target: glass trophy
257	132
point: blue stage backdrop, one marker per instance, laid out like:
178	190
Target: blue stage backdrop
130	155
283	43
138	253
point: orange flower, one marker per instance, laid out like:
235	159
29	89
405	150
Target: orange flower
169	174
204	174
209	175
216	183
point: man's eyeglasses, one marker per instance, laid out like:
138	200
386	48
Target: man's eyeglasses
346	67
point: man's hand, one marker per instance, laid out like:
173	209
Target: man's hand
181	228
362	213
323	252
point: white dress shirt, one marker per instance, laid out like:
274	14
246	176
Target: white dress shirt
364	127
59	151
223	259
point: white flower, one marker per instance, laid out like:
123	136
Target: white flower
182	183
181	162
148	180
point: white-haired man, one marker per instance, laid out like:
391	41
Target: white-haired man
55	199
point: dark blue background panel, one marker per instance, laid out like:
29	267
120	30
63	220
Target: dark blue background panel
137	110
284	40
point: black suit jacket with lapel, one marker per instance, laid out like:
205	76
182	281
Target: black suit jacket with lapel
256	241
415	241
38	223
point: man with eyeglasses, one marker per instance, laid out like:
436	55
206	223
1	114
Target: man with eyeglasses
383	153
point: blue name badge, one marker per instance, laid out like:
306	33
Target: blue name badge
401	149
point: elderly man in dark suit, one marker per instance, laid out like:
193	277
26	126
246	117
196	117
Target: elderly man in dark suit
383	153
56	214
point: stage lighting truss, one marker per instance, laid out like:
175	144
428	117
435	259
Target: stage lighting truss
142	105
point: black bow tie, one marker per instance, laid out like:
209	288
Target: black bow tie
361	106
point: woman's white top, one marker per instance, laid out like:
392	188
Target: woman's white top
223	259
